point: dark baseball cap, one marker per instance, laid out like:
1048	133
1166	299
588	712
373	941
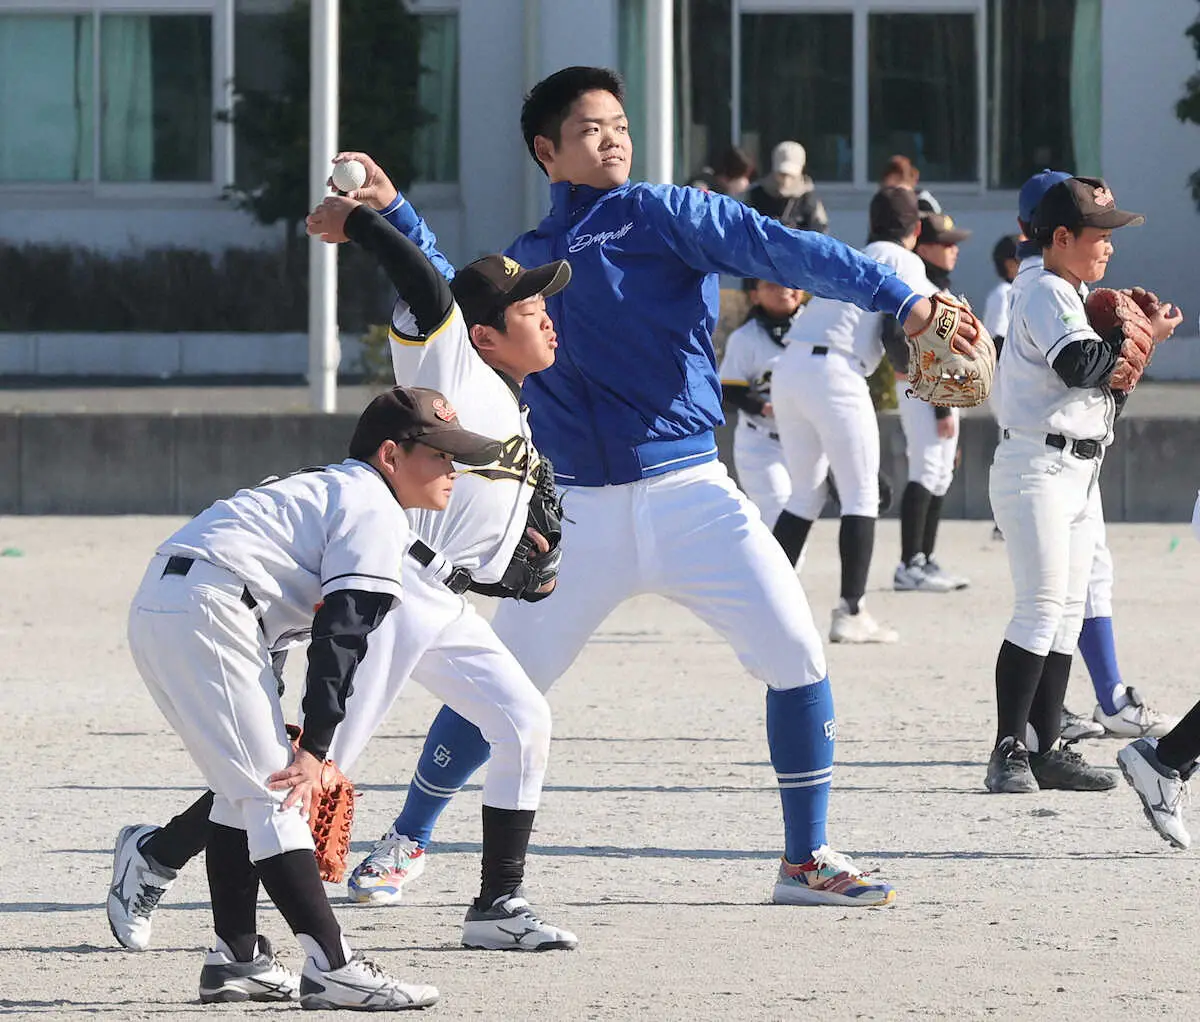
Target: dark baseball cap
1033	190
486	287
1080	202
939	229
424	416
893	211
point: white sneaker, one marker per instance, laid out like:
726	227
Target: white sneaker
860	627
511	925
136	889
360	985
1134	720
1160	788
224	978
915	576
935	570
380	878
1074	727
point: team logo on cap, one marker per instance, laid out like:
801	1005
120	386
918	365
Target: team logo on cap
1103	197
443	410
511	267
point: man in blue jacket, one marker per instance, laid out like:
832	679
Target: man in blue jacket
627	414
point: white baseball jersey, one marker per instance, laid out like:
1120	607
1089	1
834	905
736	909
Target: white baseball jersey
1047	314
295	540
750	356
996	310
488	510
849	330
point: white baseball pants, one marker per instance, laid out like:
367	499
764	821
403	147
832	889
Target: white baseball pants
761	471
827	423
691	536
436	638
1043	501
930	457
202	655
1100	581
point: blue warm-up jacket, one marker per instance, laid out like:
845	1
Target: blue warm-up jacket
634	390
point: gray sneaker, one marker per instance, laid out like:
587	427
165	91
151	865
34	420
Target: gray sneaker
1008	769
915	577
1065	770
223	978
511	925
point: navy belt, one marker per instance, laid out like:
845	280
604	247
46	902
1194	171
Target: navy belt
762	429
820	349
182	565
458	581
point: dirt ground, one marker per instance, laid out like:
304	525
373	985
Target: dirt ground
659	831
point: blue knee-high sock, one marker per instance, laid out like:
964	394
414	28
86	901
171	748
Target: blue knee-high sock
800	734
1099	649
454	750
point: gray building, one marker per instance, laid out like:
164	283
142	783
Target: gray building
108	139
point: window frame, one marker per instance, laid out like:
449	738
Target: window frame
221	173
863	176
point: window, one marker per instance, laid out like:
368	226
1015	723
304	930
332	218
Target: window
153	120
796	84
922	94
436	146
1040	49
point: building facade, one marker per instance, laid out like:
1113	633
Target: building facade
108	134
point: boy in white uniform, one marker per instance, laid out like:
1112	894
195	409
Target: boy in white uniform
475	339
218	595
1058	389
827	421
750	356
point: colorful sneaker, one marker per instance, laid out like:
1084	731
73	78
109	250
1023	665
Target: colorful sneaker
829	878
915	577
1160	787
360	985
511	925
224	978
1134	720
1066	770
1008	770
1075	728
858	628
136	889
380	878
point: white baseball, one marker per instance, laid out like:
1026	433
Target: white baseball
349	176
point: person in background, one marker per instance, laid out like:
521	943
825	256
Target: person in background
787	194
729	174
901	172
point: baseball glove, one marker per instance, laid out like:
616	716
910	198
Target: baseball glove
938	373
1119	317
332	818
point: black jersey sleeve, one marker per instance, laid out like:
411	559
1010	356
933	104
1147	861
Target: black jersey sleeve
416	280
1087	363
339	642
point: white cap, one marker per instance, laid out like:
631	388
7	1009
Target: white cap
789	158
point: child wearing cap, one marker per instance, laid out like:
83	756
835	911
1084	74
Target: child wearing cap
1056	407
787	194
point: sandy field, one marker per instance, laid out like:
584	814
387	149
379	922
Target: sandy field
659	831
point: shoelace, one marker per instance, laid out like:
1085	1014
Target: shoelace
391	854
375	971
837	861
146	899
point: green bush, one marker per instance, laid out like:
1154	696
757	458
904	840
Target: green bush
173	290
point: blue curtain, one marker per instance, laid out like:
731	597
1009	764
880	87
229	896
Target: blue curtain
46	107
127	99
1086	87
436	154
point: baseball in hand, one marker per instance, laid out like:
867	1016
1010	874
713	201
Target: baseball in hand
348	176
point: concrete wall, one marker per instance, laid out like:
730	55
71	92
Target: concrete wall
179	464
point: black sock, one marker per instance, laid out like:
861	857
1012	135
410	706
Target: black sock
1180	747
505	840
914	508
856	543
183	837
1018	673
1045	713
933	518
294	884
792	532
233	886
